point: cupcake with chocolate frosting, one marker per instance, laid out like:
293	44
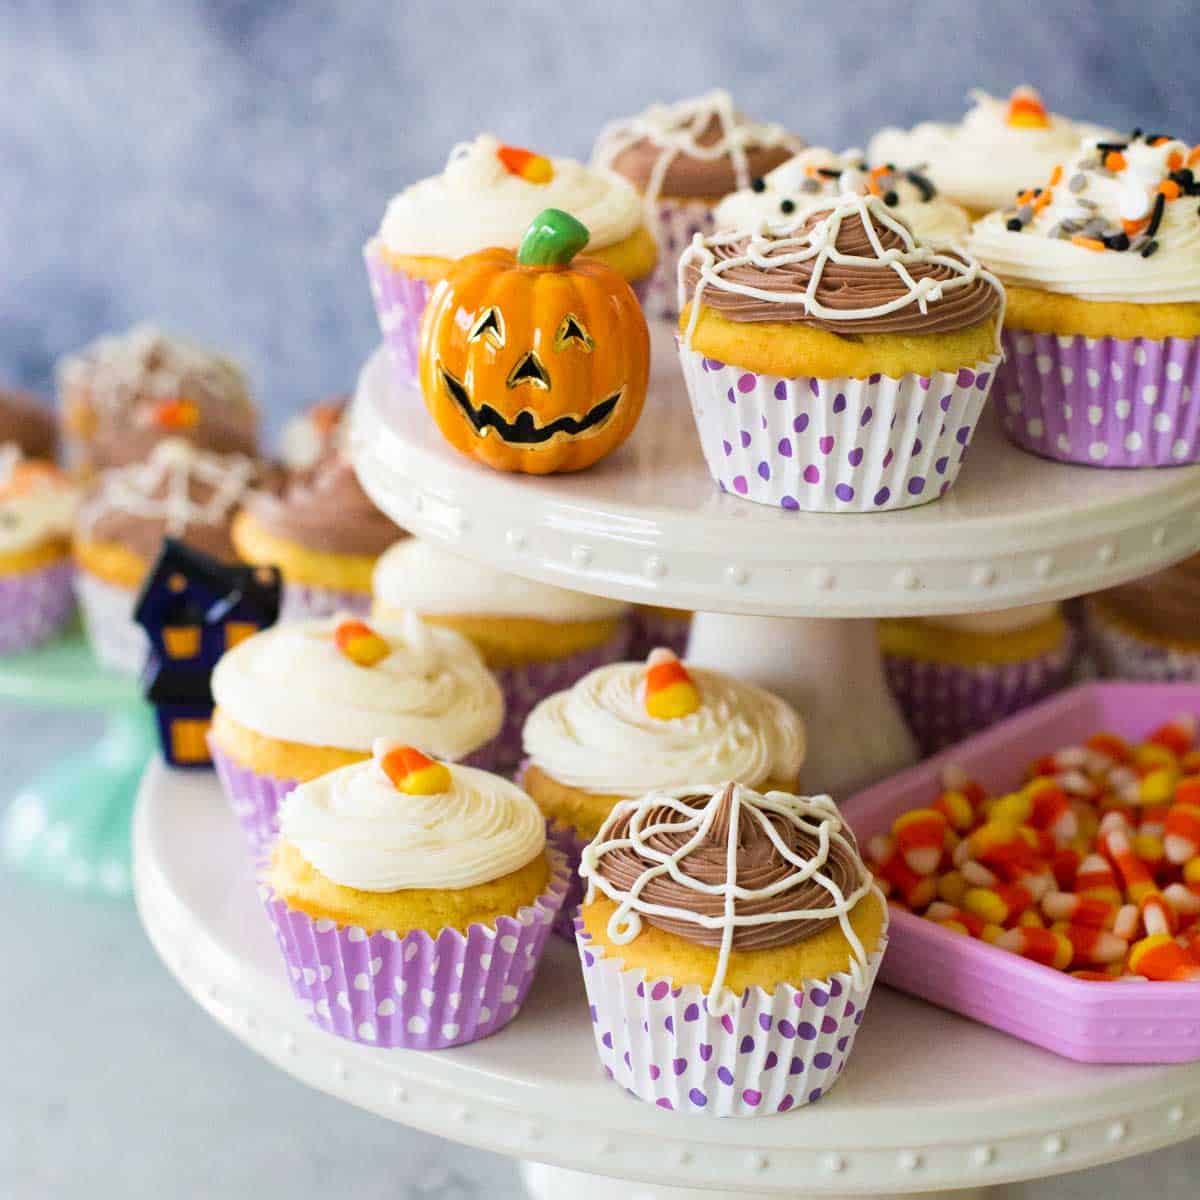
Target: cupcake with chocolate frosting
684	158
321	529
838	364
730	940
1147	629
25	424
180	491
1101	261
956	675
124	393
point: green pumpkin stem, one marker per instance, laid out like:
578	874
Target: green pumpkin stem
552	240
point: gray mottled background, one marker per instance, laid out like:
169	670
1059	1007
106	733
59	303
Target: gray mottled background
218	166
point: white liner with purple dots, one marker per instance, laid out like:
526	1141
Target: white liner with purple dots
676	222
777	1051
835	445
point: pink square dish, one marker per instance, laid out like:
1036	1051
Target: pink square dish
1118	1022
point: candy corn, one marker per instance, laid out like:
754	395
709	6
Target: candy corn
1092	947
1181	832
176	414
1160	956
1026	110
412	772
358	642
670	692
921	837
1046	946
533	168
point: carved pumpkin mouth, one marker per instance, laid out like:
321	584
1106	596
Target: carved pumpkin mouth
526	429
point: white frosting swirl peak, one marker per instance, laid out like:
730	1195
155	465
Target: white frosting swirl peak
37	501
432	691
598	736
477	203
359	831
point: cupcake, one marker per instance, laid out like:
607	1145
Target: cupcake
1147	630
125	393
535	638
1102	269
411	899
24	423
309	434
729	941
320	528
487	197
815	175
630	727
299	700
956	675
683	158
180	492
837	364
37	504
654	626
992	153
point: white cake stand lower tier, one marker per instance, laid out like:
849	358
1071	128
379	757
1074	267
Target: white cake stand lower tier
928	1100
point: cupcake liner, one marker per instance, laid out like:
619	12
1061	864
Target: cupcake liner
525	685
1103	402
676	222
416	991
254	797
302	601
653	627
1121	654
107	610
34	605
835	445
569	843
400	301
944	703
773	1052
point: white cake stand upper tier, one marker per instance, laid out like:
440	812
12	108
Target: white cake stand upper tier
648	524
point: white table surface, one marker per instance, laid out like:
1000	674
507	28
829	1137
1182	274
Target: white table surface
117	1084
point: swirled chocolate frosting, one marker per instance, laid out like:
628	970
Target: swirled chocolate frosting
665	828
1166	603
26	424
853	281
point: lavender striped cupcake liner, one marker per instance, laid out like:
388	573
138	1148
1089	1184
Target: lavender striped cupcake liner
302	601
1120	653
1102	402
400	301
654	627
676	222
770	1053
835	445
34	606
415	991
944	703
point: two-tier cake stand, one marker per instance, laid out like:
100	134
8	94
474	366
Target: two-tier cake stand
929	1101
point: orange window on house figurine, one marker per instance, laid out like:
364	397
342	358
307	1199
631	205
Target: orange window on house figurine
238	631
189	739
182	641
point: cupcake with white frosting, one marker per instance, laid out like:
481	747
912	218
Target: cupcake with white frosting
956	675
487	197
633	726
814	175
301	699
684	158
536	639
729	940
1102	267
992	153
412	898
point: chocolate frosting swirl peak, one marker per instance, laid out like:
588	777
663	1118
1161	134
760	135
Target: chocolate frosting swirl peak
849	268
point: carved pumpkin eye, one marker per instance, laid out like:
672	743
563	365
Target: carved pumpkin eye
490	325
572	332
529	369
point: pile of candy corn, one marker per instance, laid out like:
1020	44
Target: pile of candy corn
1092	867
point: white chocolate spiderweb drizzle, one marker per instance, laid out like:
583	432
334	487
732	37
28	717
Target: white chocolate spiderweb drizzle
774	247
813	852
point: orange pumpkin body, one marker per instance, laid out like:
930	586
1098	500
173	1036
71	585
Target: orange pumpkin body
534	368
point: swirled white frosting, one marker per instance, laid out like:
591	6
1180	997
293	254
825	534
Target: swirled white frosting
799	186
983	161
1005	620
597	735
476	202
416	575
35	504
359	831
432	691
1090	200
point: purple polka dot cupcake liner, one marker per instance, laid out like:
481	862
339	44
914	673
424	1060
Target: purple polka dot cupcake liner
1102	402
568	841
772	1052
675	223
944	703
835	445
34	606
416	991
1121	653
654	627
400	301
302	601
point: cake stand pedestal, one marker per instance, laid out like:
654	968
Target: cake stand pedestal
70	824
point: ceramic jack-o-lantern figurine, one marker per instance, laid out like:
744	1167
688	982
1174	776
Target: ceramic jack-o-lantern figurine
537	361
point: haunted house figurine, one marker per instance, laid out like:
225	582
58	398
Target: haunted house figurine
194	608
